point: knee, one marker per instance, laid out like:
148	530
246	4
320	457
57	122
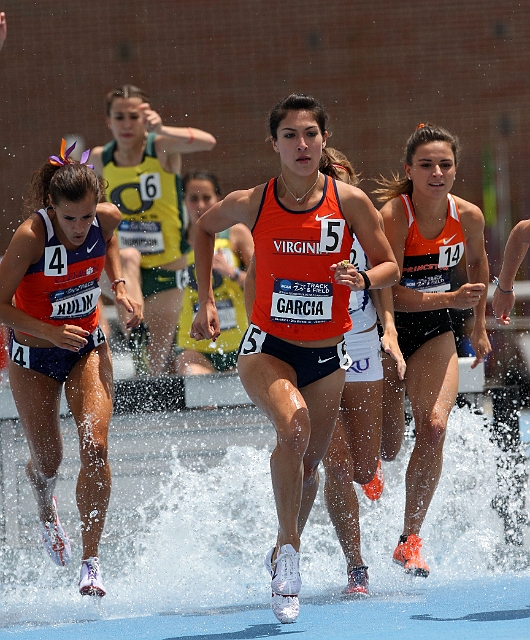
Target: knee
130	259
365	473
338	470
388	455
310	474
294	438
45	469
433	434
94	454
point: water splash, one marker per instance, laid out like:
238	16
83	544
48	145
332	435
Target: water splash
204	535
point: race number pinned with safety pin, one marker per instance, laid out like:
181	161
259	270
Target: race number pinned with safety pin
331	233
450	255
55	261
150	186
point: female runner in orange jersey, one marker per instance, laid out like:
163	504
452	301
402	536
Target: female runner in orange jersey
292	359
51	269
428	229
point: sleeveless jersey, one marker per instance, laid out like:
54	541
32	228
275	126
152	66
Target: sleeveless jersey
297	297
63	286
427	264
150	201
229	300
361	308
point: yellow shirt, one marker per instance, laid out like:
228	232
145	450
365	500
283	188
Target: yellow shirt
230	303
150	201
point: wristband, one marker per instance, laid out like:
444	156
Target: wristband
190	133
116	282
236	275
367	283
496	283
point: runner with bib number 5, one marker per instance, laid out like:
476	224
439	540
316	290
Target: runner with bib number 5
292	358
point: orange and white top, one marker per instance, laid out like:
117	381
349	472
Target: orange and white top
297	297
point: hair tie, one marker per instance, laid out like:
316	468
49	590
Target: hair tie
421	126
64	156
339	166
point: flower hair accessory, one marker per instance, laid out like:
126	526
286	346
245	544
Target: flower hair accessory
64	156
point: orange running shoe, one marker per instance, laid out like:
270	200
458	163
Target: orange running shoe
374	488
407	554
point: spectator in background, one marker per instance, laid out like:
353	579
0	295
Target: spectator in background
233	252
142	166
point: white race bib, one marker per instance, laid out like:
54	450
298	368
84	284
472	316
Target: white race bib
301	302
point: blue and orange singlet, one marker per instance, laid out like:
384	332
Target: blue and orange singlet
427	263
63	286
297	297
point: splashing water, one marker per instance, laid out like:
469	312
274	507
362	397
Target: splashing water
205	533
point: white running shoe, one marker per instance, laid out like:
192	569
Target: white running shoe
285	608
285	572
55	540
90	581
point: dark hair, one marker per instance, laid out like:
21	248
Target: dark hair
424	133
126	91
71	182
203	174
332	161
297	102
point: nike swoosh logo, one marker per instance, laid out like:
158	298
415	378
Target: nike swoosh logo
319	218
448	241
320	361
90	250
164	279
428	333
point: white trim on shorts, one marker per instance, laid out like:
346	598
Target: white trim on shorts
365	351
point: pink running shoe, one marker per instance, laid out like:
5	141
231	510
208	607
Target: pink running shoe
55	540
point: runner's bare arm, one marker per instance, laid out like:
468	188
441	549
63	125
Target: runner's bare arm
362	218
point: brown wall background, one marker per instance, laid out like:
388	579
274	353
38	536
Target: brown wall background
379	68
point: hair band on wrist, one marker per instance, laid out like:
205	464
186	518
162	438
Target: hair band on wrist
237	273
367	283
117	282
191	136
496	283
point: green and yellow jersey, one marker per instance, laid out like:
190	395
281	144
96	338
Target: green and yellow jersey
150	201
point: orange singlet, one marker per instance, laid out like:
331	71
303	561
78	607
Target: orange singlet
297	297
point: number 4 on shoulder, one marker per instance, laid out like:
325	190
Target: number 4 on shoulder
55	261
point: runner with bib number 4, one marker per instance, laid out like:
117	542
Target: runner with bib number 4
52	268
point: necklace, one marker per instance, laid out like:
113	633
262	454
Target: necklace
305	194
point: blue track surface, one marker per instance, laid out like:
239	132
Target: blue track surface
497	608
